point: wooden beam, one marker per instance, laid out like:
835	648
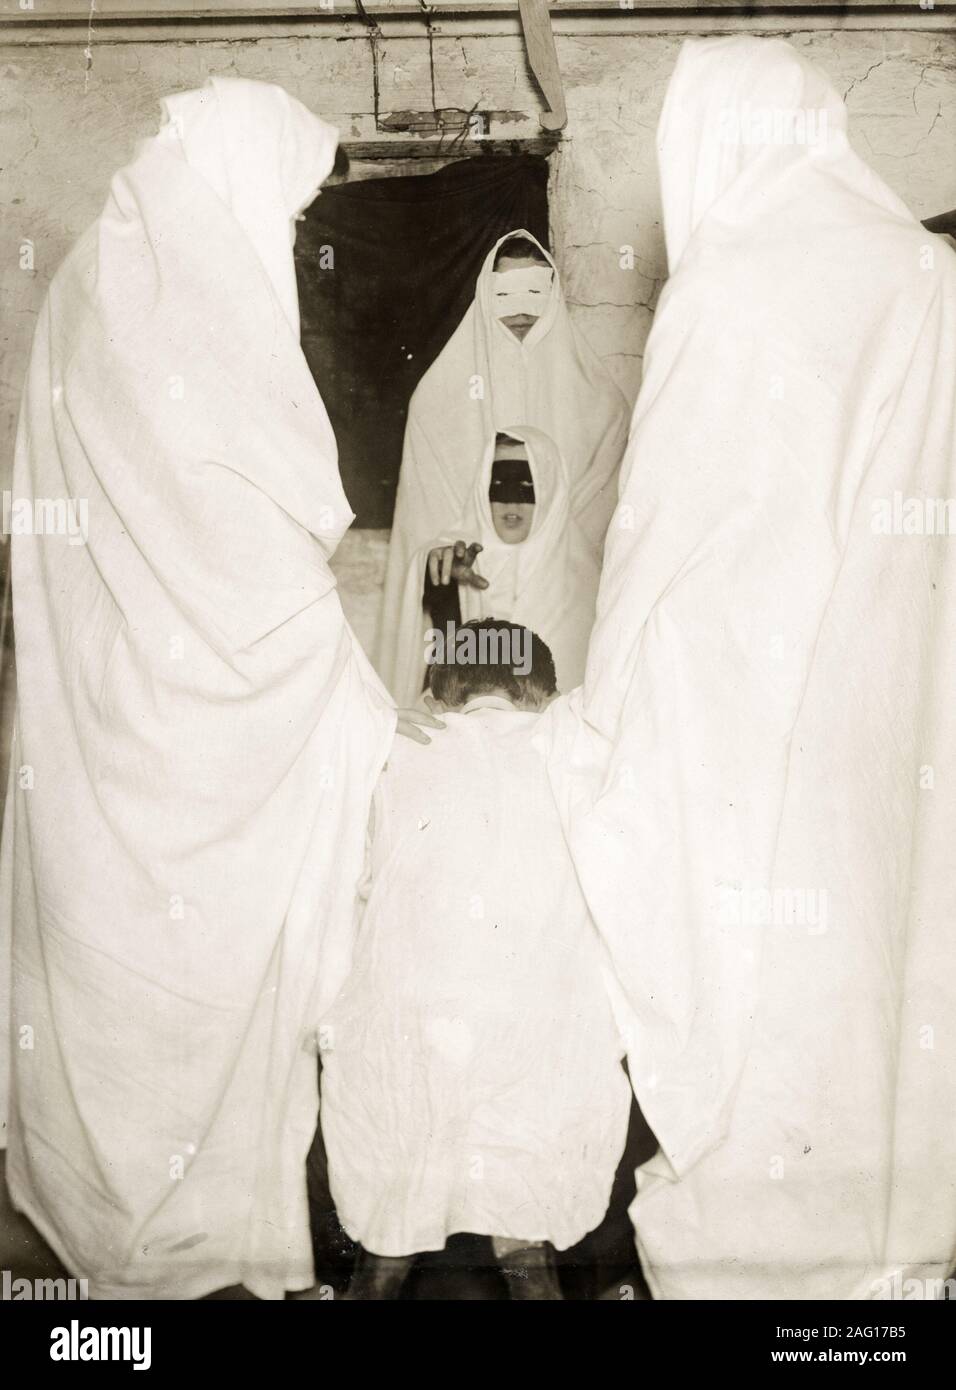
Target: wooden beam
447	149
543	58
118	11
65	22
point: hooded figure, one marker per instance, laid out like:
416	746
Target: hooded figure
485	377
547	582
475	1080
754	785
198	732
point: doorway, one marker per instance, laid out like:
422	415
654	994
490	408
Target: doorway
386	268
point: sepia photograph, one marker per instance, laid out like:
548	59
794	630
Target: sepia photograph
478	688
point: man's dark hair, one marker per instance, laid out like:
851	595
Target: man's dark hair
520	246
455	681
342	162
502	438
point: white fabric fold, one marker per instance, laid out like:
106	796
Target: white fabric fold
198	733
484	379
754	783
472	1078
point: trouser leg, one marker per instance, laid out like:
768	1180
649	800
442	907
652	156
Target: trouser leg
378	1276
530	1268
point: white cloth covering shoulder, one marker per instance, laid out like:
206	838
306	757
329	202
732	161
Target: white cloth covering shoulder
749	787
473	1079
202	730
482	381
547	582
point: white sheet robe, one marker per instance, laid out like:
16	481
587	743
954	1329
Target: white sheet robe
758	787
198	734
548	582
483	380
472	1078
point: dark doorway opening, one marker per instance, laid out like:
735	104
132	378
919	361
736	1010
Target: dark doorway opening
386	269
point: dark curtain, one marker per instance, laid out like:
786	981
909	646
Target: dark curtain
405	253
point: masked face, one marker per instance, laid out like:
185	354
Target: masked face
511	493
520	289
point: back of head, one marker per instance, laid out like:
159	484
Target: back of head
489	656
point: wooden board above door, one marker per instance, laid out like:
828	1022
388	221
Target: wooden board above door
111	11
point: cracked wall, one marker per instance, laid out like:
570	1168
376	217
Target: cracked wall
68	126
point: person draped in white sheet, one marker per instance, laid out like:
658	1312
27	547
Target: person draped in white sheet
515	356
515	552
471	1076
200	730
751	785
